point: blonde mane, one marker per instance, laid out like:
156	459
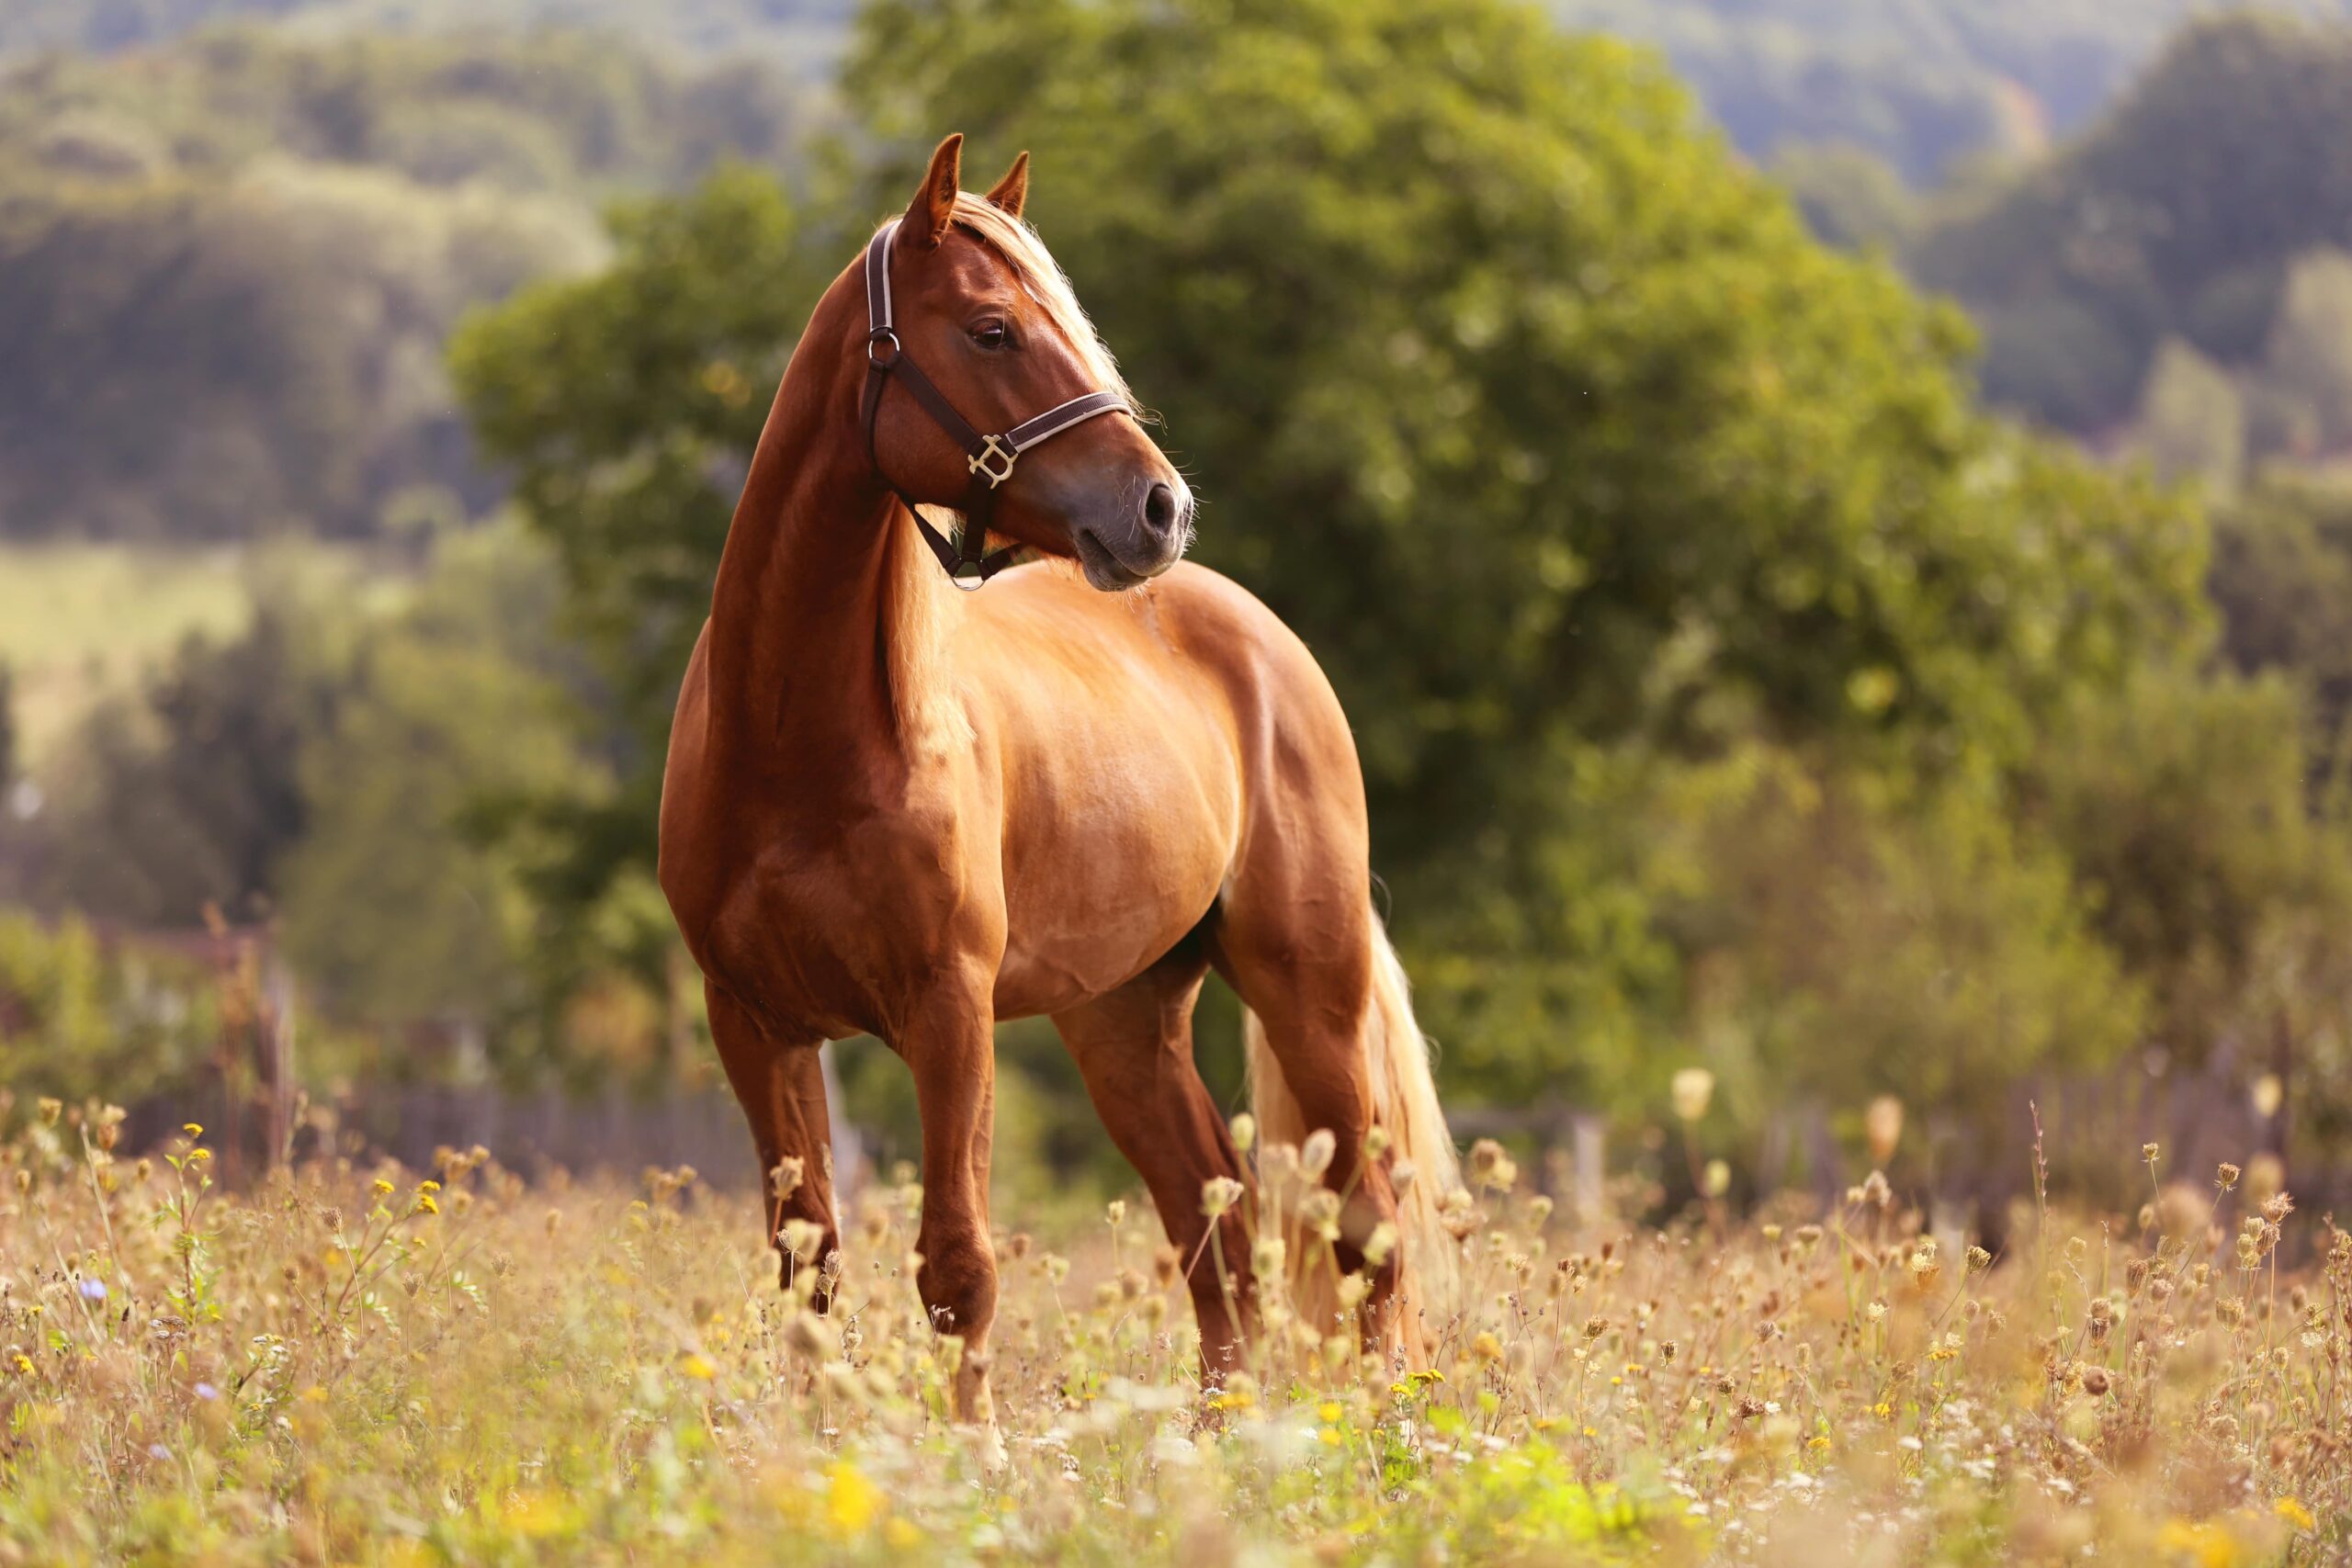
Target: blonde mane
924	606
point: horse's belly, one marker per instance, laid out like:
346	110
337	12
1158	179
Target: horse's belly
1105	885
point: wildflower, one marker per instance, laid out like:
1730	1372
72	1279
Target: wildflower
802	1238
1486	1348
2293	1510
2227	1176
381	1188
1401	1175
206	1390
1490	1167
697	1367
193	1129
1266	1257
1218	1194
1116	1213
22	1363
199	1156
787	1176
50	1109
425	1205
1979	1260
851	1501
1693	1088
1245	1132
1380	1244
1717	1179
1315	1156
2148	1154
1375	1143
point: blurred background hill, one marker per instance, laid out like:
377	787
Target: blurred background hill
1827	517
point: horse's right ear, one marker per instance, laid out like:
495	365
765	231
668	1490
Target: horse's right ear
935	205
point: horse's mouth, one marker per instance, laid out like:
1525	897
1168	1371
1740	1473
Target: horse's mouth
1103	569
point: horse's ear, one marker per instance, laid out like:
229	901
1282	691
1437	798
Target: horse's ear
1011	194
935	205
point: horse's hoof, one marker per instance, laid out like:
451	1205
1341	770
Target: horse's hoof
987	1445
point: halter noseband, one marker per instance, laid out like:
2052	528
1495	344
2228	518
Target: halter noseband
989	457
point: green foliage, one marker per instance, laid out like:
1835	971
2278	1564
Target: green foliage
79	1018
186	797
393	908
2192	420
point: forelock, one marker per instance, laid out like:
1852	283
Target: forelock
1041	279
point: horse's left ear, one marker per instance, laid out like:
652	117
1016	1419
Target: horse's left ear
935	205
1011	194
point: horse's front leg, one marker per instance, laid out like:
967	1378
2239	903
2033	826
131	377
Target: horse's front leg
782	1085
949	1044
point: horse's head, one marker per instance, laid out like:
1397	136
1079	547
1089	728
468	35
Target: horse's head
982	312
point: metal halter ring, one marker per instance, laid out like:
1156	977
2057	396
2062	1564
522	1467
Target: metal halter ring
874	340
993	450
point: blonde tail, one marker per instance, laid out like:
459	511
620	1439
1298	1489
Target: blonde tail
1405	1103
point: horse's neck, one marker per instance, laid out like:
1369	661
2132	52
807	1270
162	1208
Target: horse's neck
826	621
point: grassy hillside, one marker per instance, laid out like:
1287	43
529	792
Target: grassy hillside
227	269
2180	275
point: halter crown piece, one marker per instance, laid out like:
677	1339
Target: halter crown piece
989	457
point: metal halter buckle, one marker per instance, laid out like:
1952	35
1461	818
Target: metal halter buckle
992	448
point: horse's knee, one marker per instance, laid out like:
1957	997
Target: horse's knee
958	1281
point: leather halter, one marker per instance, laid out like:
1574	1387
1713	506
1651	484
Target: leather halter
990	458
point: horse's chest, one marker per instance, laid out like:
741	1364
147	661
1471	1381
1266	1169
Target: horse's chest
834	934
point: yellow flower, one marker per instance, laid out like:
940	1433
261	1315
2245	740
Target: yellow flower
425	1205
382	1188
193	1129
428	1185
200	1156
2293	1510
851	1501
901	1535
1331	1410
697	1367
22	1363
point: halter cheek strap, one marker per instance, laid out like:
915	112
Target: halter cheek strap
989	459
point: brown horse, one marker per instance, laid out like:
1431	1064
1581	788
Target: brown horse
895	809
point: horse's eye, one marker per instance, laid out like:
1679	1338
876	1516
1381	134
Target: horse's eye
991	333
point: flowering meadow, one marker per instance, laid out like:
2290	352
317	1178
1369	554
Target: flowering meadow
358	1363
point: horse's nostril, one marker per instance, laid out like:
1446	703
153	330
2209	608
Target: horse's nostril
1160	508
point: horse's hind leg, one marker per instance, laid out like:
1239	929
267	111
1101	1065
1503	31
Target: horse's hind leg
1134	1047
782	1086
1295	937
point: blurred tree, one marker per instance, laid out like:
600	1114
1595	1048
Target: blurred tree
1849	197
2310	356
393	908
188	795
2192	420
2176	215
2282	578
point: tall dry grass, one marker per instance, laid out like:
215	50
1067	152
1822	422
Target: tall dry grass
362	1364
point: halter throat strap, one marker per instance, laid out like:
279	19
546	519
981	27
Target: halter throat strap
989	459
